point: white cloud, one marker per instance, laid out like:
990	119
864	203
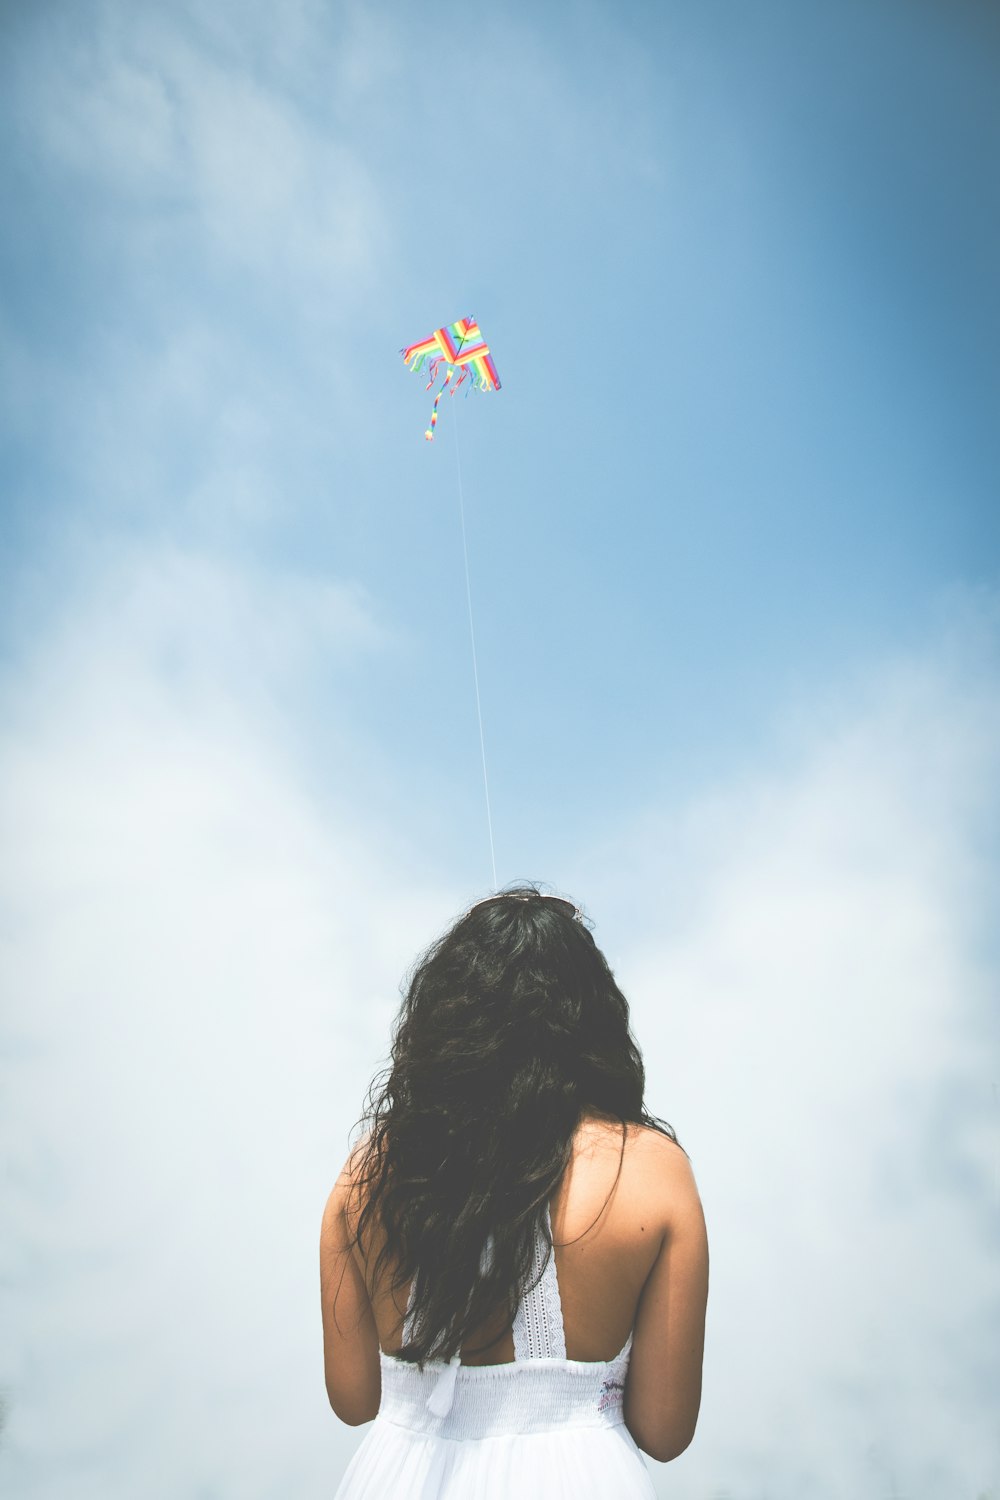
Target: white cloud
203	959
817	1014
184	133
226	230
201	962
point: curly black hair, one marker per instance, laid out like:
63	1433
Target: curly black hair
511	1029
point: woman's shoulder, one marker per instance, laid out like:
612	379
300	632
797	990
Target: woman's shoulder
655	1170
647	1141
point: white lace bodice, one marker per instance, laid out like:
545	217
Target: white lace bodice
584	1390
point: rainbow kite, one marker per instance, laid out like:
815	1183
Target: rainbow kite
457	346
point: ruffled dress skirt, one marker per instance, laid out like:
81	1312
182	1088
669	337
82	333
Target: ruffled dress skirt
551	1428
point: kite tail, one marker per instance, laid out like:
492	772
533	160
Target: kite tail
429	434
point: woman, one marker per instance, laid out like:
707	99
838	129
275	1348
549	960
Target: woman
514	1264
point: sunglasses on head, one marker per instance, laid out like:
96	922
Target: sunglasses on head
566	907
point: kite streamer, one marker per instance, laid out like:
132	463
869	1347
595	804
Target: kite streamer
429	434
457	347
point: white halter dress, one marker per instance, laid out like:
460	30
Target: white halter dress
544	1425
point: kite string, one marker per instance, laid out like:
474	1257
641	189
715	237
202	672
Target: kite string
475	666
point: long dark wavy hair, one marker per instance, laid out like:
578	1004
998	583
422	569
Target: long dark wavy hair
511	1028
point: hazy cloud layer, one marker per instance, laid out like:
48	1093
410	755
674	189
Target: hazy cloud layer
203	956
185	133
820	1022
199	961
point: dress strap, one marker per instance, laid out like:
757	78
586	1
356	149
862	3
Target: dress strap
538	1322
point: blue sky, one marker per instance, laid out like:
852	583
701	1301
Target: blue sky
734	552
738	272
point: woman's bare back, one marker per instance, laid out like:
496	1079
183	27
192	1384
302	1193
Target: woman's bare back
607	1237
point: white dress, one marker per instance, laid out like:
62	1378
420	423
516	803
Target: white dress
544	1425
